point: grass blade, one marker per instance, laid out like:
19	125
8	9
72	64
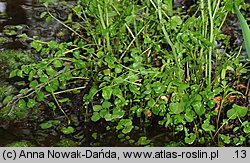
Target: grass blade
245	30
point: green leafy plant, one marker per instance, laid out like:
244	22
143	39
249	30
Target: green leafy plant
132	63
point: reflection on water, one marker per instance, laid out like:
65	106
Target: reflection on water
16	14
14	10
2	7
27	14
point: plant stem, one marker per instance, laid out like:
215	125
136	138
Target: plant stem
132	42
203	31
159	2
53	95
135	28
211	40
104	26
72	30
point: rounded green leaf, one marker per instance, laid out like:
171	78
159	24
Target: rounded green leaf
183	87
19	73
52	44
7	99
57	63
246	129
40	96
197	97
190	138
207	127
103	112
127	129
117	92
155	110
106	104
158	87
55	122
31	103
151	103
118	68
117	113
225	139
176	20
46	125
13	73
97	107
211	104
108	117
189	116
50	71
21	104
241	110
199	108
33	84
176	108
95	117
26	69
106	72
143	141
231	114
80	63
68	130
106	93
44	78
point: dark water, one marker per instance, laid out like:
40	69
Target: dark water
16	12
26	13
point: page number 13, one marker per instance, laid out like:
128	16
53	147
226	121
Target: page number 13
241	153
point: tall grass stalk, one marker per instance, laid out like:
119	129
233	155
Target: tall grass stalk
166	35
104	26
203	31
245	30
212	10
211	18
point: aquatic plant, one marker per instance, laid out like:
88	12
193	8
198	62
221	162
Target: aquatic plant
132	63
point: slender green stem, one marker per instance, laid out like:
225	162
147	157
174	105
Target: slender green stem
53	95
204	29
131	42
66	25
135	28
104	26
223	21
166	35
101	16
107	25
211	40
65	91
216	8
